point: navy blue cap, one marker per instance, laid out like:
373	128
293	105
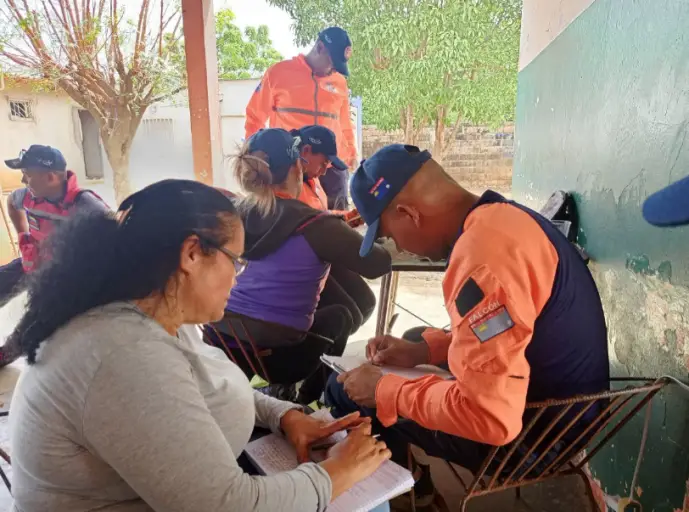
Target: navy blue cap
669	206
378	180
281	148
339	46
38	158
323	142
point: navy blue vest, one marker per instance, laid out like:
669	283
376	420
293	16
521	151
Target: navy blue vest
568	353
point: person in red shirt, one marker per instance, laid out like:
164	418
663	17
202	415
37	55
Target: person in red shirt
527	322
51	195
311	89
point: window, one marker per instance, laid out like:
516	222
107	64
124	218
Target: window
21	110
90	146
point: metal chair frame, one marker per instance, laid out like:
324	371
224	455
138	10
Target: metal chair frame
618	408
258	353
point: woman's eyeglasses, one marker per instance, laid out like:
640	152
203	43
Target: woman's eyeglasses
239	263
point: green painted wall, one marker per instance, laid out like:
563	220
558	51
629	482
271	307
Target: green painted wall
604	112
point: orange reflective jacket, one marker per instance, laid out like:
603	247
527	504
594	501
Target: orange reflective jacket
313	194
290	96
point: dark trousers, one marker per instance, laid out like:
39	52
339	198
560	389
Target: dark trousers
288	355
11	276
465	453
349	289
468	454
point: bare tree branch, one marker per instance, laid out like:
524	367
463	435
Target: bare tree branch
82	47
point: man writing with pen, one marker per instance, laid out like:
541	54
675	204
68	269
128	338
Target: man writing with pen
526	319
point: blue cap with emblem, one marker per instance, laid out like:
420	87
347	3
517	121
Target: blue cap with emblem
669	206
378	180
38	157
323	142
339	46
280	147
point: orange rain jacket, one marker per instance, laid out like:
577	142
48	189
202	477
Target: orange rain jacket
290	96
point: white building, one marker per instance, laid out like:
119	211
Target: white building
32	114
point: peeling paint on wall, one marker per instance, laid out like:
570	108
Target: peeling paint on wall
603	112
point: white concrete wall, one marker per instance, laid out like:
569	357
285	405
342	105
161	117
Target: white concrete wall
543	21
234	96
53	125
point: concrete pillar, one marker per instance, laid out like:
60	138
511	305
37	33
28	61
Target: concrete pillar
202	73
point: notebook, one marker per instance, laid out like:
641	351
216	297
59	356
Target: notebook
347	363
273	454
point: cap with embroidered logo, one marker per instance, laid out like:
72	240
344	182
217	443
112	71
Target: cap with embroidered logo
280	147
378	180
39	157
339	46
323	142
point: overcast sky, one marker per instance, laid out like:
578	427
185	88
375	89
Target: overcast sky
258	12
250	12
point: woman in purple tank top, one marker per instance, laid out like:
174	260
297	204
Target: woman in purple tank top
290	248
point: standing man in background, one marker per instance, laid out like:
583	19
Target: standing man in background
311	89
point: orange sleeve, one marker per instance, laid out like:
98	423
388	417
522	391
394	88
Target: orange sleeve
260	106
347	133
438	341
500	276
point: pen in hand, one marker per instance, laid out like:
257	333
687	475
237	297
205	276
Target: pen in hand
330	444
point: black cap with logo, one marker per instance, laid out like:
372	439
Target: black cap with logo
339	46
39	158
323	142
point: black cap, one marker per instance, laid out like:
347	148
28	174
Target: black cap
323	142
281	148
339	46
38	157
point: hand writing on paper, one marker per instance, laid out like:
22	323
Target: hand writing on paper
302	431
360	384
396	352
354	459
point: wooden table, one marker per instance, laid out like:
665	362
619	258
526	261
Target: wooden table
390	282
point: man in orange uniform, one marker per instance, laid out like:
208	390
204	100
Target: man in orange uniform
527	322
309	89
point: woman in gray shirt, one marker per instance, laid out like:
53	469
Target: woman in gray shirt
120	409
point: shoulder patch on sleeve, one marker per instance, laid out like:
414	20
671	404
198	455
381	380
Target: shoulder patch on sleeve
492	324
469	297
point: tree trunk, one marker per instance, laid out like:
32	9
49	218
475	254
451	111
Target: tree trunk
117	140
439	135
118	151
120	176
409	132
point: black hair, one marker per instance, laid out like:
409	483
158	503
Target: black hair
98	258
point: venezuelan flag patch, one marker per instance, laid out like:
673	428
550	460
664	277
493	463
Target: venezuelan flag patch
492	324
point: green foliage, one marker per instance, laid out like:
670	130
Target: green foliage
456	59
245	55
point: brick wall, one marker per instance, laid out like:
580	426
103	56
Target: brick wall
478	158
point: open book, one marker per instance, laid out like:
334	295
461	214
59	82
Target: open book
273	454
347	363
